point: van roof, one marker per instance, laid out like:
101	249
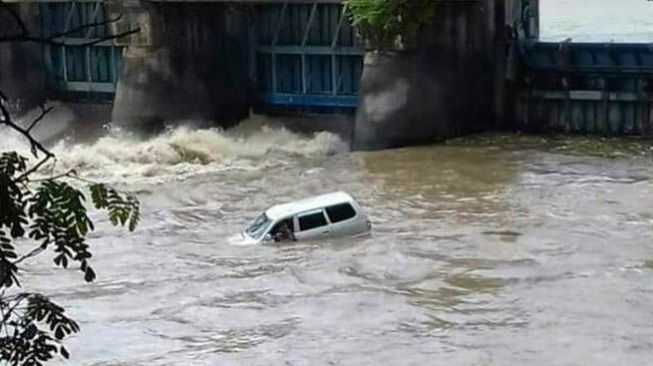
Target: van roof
308	204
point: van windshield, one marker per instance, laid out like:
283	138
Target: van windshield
259	227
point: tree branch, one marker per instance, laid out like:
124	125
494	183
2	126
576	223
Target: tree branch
44	112
72	173
86	26
35	168
35	145
24	35
53	42
12	12
32	253
107	38
17	300
5	317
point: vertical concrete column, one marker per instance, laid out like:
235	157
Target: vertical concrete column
403	101
535	19
22	75
445	86
190	62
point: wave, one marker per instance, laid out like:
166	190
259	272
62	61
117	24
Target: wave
184	150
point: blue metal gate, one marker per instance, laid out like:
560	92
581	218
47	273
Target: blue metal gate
587	88
306	56
76	66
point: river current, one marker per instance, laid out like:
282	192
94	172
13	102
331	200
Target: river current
479	256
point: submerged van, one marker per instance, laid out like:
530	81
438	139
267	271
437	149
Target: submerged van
326	216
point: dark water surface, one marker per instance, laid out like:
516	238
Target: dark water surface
480	256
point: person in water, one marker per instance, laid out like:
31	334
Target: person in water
284	234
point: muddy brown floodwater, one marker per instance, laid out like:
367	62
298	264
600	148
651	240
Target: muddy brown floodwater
479	256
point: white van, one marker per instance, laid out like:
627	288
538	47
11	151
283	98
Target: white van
326	216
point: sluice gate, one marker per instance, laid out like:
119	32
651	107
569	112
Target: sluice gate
591	88
303	56
88	63
306	56
479	64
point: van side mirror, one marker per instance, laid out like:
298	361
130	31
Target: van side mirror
268	237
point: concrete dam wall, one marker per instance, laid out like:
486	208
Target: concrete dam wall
192	65
478	67
449	83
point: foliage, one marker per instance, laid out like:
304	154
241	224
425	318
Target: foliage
51	213
382	22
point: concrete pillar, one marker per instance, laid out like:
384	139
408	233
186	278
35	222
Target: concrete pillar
445	86
535	19
22	65
402	102
189	63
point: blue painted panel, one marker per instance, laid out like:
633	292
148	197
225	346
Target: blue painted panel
319	77
305	100
307	56
624	57
289	71
350	69
70	65
587	88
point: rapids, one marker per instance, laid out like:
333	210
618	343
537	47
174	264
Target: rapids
480	255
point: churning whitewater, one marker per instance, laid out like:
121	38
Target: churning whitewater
479	255
184	151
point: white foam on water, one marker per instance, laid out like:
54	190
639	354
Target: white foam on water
11	140
183	151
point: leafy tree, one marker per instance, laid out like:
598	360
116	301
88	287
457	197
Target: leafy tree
44	213
383	22
49	213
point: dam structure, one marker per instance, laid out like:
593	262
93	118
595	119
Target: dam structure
479	66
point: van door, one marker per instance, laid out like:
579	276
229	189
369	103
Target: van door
277	234
343	219
312	225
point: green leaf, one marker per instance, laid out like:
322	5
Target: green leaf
52	213
59	333
8	270
99	195
381	22
123	209
89	275
64	352
30	331
135	218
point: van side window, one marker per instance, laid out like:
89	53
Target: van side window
340	213
312	221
